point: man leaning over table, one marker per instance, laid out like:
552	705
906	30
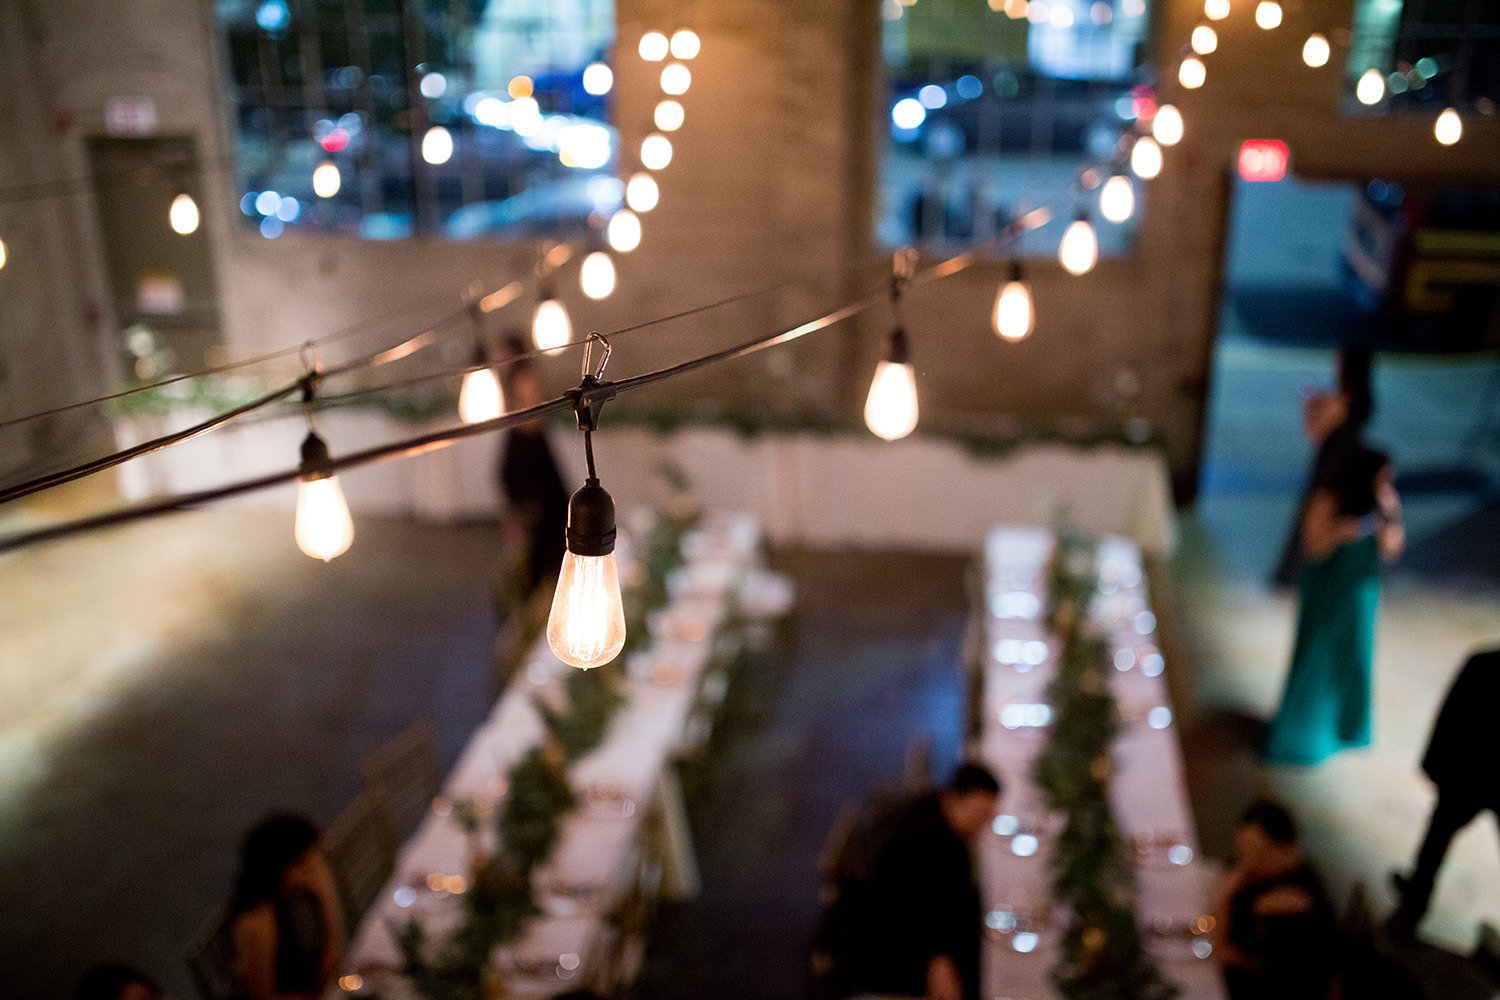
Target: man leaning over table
911	926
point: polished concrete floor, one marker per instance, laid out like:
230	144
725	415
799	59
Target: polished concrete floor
162	685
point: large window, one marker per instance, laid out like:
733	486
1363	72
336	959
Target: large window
1425	55
998	107
456	118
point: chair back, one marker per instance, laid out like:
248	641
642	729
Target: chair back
361	851
405	775
211	959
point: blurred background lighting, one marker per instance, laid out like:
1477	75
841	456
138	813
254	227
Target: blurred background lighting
1371	87
1192	73
1216	10
597	275
1167	125
685	44
598	79
654	46
326	179
1268	14
624	231
1145	158
676	79
656	151
669	116
1205	39
183	215
1315	50
437	145
642	193
1449	127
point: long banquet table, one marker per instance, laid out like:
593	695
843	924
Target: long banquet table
629	816
1147	791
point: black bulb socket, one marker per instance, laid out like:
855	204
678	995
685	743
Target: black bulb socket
317	463
900	348
591	521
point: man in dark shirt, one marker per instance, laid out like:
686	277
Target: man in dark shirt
910	925
1461	761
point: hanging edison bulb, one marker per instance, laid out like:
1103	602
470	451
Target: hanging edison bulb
1013	316
550	326
623	231
326	179
1192	73
586	627
1371	87
1145	158
1449	127
1315	51
642	193
1166	126
1079	250
324	528
1268	14
669	116
183	215
480	398
891	406
597	275
656	151
1117	199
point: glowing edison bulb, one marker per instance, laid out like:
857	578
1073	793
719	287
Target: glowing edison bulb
676	79
1205	39
437	145
587	625
550	326
1192	73
656	151
623	231
1449	127
686	44
891	406
326	179
183	214
323	526
597	275
669	116
1117	199
1145	158
1315	51
1166	127
1216	10
1014	316
653	46
480	399
642	193
1371	87
1268	14
586	628
1079	250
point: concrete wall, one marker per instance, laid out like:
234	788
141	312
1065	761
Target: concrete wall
773	182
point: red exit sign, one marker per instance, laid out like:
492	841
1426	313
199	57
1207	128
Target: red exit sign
1263	159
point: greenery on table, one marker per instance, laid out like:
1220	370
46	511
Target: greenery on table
1102	957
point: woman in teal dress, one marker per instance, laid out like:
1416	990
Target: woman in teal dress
1352	522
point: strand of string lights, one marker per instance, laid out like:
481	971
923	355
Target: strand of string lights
586	395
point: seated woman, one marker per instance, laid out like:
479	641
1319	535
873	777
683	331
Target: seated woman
286	923
1274	931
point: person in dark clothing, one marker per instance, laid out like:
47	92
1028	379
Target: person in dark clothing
1274	930
910	925
286	923
1460	760
536	502
1334	422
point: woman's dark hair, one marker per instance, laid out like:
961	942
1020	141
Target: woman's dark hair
971	777
266	852
107	980
1354	363
1273	820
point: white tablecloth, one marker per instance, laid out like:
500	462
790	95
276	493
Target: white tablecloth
1147	792
617	784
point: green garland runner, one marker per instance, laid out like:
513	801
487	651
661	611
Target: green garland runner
1102	954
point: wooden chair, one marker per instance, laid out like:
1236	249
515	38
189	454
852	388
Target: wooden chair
211	960
405	776
361	850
